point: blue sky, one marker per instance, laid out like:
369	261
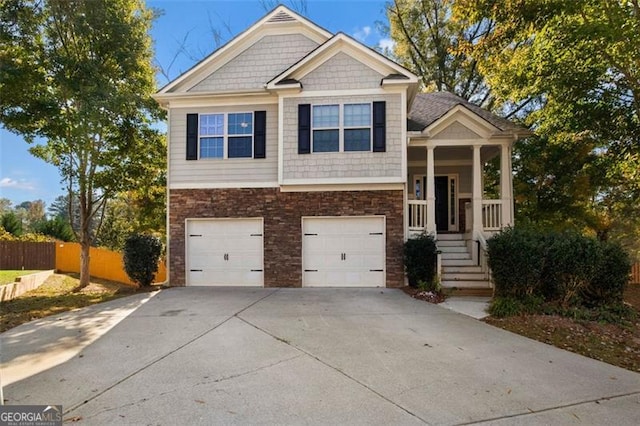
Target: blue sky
185	23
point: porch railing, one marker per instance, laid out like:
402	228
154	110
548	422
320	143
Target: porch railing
417	215
492	215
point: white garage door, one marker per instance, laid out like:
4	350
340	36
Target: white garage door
343	252
224	252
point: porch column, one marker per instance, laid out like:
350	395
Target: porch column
477	192
430	192
505	185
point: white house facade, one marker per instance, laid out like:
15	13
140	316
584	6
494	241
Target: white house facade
297	157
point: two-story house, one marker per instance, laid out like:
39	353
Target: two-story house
297	157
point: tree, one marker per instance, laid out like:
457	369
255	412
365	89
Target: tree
57	228
12	224
576	64
430	43
78	74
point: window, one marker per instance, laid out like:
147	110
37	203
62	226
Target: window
333	134
326	128
357	127
212	136
238	137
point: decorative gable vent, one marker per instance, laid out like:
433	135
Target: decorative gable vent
281	16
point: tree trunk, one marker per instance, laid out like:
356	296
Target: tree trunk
84	265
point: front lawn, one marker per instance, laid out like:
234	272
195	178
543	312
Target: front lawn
56	295
7	277
614	343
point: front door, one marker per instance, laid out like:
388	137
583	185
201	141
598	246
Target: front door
442	203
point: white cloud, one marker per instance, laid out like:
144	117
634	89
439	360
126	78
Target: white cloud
16	184
361	34
386	44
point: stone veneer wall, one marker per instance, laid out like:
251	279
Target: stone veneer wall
282	212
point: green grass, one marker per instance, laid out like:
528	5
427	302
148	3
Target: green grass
56	295
7	277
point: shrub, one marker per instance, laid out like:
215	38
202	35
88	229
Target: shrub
505	307
610	278
516	259
420	259
57	228
141	255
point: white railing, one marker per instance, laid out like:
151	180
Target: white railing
483	258
492	215
417	215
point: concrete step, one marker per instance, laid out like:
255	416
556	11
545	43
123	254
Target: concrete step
461	269
455	249
476	292
458	262
451	243
446	276
450	256
466	284
449	237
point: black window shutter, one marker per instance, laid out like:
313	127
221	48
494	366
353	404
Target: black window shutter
192	136
259	134
304	129
379	127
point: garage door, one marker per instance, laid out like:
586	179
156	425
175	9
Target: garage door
343	252
224	252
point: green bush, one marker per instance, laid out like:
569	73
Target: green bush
566	272
611	276
57	228
420	259
516	259
141	255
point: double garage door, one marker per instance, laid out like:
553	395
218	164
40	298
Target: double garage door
336	252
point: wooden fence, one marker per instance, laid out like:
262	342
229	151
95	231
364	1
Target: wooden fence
104	264
19	255
635	273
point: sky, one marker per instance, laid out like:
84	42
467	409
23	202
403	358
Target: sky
183	34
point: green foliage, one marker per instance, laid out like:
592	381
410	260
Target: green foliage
12	224
516	259
420	259
562	269
141	256
57	228
79	74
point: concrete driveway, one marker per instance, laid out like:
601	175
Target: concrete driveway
302	356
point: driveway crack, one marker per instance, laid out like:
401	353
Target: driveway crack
544	410
173	351
344	374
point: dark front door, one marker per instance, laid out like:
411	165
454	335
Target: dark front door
442	203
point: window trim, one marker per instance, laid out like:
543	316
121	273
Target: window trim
342	127
226	136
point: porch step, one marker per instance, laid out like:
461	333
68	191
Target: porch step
463	276
451	243
462	269
466	284
458	255
478	292
450	237
453	249
458	262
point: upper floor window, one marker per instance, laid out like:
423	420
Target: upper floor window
341	127
226	135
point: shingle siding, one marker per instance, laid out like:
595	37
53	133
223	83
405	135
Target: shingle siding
258	64
218	171
343	164
342	72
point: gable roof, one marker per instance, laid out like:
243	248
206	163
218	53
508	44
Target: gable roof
278	18
341	42
427	108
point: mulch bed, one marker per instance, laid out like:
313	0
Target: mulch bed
427	296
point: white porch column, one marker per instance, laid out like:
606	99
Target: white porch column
430	192
477	192
505	185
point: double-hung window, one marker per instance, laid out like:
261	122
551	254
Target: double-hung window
326	128
357	127
341	127
226	135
